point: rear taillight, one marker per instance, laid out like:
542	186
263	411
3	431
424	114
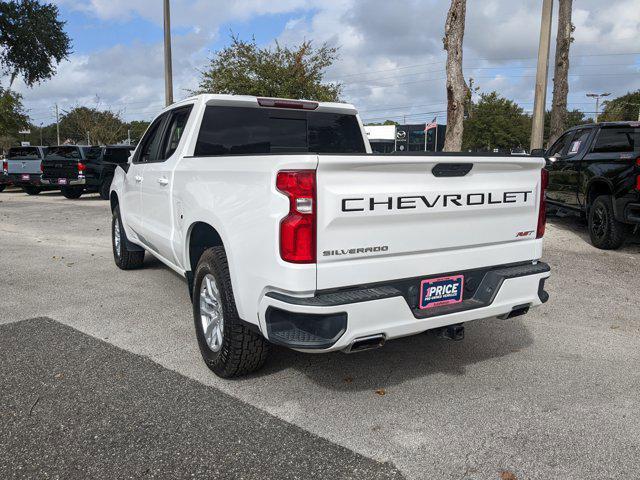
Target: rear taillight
5	166
298	228
542	213
41	168
638	176
81	167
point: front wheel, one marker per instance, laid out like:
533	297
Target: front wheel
605	231
228	347
31	190
72	192
125	258
104	188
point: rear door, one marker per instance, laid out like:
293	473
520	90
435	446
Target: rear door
382	218
157	208
564	167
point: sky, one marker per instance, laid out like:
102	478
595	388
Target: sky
391	57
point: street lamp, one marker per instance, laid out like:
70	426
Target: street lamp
597	97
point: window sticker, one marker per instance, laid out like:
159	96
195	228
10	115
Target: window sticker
575	146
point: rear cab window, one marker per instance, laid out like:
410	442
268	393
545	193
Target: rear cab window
618	139
23	153
65	152
247	130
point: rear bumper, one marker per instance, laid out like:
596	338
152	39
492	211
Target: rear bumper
21	179
627	208
70	181
333	321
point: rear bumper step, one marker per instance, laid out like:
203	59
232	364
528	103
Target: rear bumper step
346	319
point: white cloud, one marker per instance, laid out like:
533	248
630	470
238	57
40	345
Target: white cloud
391	52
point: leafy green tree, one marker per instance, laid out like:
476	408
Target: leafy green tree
12	115
243	68
386	122
137	129
572	118
625	107
101	126
495	122
32	40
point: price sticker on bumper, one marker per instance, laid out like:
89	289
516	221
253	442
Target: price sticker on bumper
435	292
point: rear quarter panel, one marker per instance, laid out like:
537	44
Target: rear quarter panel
236	195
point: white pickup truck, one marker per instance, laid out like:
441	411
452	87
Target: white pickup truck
290	232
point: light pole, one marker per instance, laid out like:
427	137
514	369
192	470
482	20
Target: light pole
597	97
542	73
168	74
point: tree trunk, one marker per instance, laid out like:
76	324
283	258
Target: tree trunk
457	91
561	72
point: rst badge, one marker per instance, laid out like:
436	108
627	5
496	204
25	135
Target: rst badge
435	292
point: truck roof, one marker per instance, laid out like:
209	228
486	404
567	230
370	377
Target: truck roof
252	101
620	123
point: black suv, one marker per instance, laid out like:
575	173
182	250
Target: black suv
594	170
77	169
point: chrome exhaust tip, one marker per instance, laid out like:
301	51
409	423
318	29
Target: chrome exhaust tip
366	343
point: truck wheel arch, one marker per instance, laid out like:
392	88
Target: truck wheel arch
596	188
113	199
201	237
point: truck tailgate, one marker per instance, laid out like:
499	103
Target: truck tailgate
391	217
30	166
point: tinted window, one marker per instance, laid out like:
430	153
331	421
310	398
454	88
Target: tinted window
71	153
618	139
579	142
117	155
237	130
151	141
24	153
94	153
558	147
178	121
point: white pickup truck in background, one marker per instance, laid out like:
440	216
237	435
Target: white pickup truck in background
289	231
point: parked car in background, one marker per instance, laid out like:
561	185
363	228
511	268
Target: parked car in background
594	170
101	164
289	231
22	167
64	167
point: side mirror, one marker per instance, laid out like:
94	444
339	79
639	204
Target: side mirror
537	152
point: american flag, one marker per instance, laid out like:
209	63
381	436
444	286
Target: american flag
431	125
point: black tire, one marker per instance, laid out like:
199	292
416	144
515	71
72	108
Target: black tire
31	190
125	258
72	193
605	231
104	188
242	350
2	187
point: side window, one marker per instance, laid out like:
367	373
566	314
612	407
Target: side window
150	142
174	131
578	142
558	148
617	139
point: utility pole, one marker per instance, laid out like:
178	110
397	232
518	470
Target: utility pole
597	96
537	127
88	141
41	141
128	136
57	124
168	73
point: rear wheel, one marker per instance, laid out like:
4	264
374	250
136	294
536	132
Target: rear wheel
72	192
125	258
104	188
228	346
2	187
31	190
605	231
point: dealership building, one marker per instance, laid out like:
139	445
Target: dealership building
406	138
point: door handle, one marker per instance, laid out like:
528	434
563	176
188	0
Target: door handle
138	178
163	181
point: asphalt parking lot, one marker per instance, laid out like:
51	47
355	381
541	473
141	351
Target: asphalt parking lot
101	375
